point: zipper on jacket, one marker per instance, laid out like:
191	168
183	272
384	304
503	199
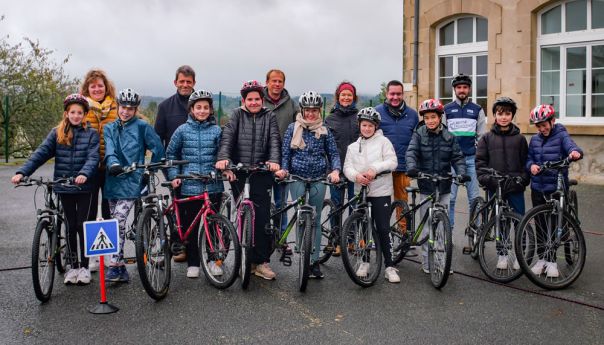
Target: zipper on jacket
253	161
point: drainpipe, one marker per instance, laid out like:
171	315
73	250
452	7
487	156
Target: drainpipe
415	41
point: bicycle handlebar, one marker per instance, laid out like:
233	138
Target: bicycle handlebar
162	164
248	168
556	165
197	176
27	181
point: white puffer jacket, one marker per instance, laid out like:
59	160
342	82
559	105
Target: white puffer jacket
375	153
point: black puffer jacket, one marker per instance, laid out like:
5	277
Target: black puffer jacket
343	124
505	152
251	138
434	153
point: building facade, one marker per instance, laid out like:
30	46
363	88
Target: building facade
535	51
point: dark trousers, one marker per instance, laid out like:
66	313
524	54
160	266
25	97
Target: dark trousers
260	186
76	208
380	212
105	212
188	211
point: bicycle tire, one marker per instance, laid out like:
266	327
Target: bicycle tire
440	251
490	249
399	238
305	223
476	224
356	242
62	263
226	206
225	251
573	202
245	232
43	254
569	268
329	240
153	258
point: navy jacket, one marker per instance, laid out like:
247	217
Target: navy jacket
171	113
558	145
464	122
81	158
398	126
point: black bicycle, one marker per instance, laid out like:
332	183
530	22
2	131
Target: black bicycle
331	223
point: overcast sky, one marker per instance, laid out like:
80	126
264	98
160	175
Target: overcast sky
140	43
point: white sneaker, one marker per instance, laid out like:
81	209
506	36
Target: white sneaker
71	277
192	272
363	269
502	262
539	267
551	270
215	270
426	270
83	276
391	275
516	265
93	264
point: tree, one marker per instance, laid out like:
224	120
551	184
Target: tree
36	87
151	111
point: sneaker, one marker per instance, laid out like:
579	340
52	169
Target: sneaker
113	274
180	257
363	269
338	251
391	275
424	269
538	268
502	262
83	276
124	277
192	272
93	265
315	271
516	265
71	277
215	269
265	271
551	270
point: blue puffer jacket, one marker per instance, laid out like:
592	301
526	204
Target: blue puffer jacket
398	126
558	145
312	161
125	143
81	158
198	143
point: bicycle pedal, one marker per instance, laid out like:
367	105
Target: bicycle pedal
466	250
286	260
130	261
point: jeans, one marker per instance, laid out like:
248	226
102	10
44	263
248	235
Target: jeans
472	188
317	195
337	194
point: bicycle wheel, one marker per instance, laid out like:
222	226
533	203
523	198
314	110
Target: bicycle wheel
304	225
329	240
476	223
43	254
61	262
226	206
565	250
399	236
245	234
440	250
496	255
220	252
153	254
361	250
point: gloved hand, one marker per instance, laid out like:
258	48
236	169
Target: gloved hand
412	172
464	178
115	170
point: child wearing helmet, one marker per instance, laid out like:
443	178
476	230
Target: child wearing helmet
433	150
371	154
196	141
309	150
552	143
504	149
127	140
76	151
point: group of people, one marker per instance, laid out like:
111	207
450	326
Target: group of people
101	133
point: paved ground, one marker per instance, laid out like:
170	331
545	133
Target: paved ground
468	310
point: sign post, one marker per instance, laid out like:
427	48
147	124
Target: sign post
101	238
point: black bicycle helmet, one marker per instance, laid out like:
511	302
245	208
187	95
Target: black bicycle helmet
505	101
461	79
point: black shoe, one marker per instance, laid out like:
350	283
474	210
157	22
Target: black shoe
315	271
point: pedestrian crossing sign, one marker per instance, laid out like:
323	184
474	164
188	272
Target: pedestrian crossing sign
101	237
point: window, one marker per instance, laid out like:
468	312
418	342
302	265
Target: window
462	49
571	60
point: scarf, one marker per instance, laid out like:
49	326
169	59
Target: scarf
315	127
395	111
102	109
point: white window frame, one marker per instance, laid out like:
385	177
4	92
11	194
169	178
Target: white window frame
572	39
472	49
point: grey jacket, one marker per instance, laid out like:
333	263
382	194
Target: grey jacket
285	110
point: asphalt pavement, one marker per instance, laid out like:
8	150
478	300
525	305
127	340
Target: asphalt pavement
468	310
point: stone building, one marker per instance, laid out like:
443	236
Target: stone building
535	51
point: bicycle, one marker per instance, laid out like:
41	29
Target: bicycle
304	219
218	240
439	238
331	223
491	231
49	244
359	240
550	228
